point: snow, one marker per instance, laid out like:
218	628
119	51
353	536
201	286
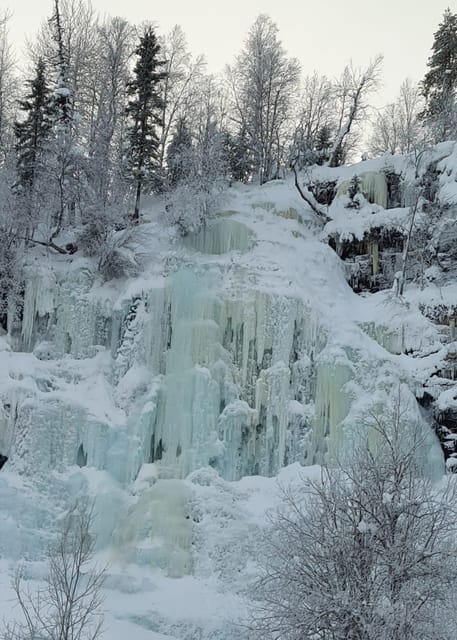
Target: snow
227	519
63	92
349	224
239	358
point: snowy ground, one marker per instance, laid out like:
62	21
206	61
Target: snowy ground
228	521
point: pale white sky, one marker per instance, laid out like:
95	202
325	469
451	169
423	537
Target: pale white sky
323	34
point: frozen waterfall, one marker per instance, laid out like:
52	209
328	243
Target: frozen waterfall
207	362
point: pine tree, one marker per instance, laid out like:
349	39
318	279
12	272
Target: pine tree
143	110
34	131
440	82
353	191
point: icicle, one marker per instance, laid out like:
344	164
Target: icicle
157	530
373	185
220	236
39	301
332	407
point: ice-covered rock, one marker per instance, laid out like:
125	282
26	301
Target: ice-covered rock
241	349
373	185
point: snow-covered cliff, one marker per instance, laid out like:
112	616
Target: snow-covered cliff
238	351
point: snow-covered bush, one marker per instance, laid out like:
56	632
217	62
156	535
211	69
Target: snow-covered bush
118	259
368	551
92	237
188	207
99	223
198	176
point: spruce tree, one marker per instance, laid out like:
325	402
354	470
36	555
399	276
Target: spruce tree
323	143
179	153
440	82
144	109
66	162
33	132
62	93
238	155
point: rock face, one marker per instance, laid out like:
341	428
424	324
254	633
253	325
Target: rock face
371	242
372	262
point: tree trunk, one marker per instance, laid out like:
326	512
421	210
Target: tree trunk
401	282
136	213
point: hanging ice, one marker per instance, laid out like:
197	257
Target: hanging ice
373	185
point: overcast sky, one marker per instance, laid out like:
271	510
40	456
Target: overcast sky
323	34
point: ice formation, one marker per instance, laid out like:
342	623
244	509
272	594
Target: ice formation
373	185
205	378
198	367
239	351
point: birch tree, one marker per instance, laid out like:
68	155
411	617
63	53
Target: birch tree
263	83
199	167
353	90
398	128
107	142
178	87
8	88
316	121
68	606
80	43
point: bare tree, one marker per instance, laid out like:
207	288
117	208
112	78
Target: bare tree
316	120
14	222
353	90
263	83
367	552
178	86
8	88
78	51
68	607
115	44
397	128
401	278
200	163
385	134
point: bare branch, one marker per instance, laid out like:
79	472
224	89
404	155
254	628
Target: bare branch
365	553
68	606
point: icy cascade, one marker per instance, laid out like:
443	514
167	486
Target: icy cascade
229	364
239	350
156	530
207	365
220	236
61	309
242	349
205	369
